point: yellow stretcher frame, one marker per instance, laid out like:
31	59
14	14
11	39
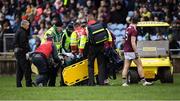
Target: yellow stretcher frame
74	73
34	69
77	72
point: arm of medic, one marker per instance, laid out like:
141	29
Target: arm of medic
74	43
52	31
55	54
83	40
49	31
109	42
63	42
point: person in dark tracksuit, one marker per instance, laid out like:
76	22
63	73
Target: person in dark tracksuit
40	58
20	50
96	51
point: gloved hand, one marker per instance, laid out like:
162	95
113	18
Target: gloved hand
27	56
136	55
80	55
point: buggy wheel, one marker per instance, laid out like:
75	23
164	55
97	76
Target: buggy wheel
149	80
132	76
166	76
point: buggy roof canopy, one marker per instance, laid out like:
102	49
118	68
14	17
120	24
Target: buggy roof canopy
151	24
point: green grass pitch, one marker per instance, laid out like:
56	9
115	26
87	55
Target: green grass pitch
158	91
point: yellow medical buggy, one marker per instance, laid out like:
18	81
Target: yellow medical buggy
154	56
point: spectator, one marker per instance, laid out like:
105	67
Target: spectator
6	28
146	13
156	18
103	13
36	11
136	14
176	29
173	44
48	25
34	42
72	5
167	19
42	29
160	37
47	10
17	24
90	6
119	14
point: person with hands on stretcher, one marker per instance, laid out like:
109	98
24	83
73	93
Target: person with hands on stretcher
78	40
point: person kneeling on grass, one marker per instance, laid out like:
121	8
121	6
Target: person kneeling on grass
40	59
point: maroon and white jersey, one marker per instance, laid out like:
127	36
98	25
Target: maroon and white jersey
130	31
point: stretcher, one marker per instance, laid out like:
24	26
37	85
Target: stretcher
77	72
34	69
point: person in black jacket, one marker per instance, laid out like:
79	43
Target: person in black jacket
173	44
96	45
21	48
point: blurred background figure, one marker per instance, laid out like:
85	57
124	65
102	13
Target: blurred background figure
173	44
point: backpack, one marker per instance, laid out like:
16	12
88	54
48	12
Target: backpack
97	33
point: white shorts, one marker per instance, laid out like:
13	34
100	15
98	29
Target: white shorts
129	55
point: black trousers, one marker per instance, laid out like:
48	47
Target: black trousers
40	61
53	74
96	51
61	76
23	69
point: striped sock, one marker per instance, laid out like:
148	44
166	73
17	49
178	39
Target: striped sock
124	80
143	79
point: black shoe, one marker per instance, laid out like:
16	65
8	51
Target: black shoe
61	85
34	84
91	85
29	85
19	85
106	84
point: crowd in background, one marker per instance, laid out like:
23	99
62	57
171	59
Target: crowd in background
115	13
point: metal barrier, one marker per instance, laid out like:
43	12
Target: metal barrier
7	63
8	39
